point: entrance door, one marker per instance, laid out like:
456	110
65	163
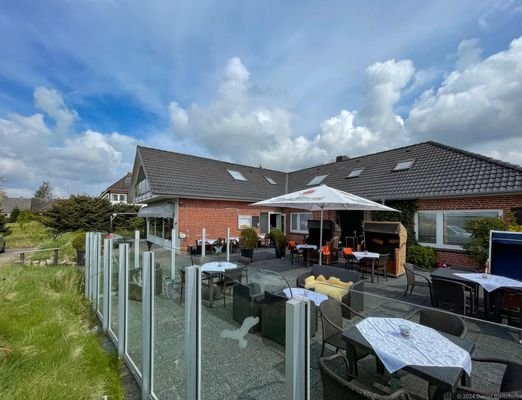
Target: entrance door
351	227
263	222
277	220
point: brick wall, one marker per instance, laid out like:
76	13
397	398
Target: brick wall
213	215
504	203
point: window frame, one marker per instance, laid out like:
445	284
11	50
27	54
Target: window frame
406	165
237	175
354	173
317	180
239	226
439	225
299	214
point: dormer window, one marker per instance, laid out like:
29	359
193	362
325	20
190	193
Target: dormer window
355	173
238	176
403	165
317	180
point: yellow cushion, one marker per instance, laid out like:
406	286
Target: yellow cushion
336	293
310	282
320	278
334	281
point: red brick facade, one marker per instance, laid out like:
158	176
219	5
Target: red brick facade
504	203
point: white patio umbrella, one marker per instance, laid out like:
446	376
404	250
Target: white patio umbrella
323	198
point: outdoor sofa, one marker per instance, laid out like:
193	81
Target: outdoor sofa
355	296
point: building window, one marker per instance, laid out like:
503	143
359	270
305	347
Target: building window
123	198
244	221
299	222
238	176
161	227
270	180
403	165
142	187
114	197
445	229
317	180
355	173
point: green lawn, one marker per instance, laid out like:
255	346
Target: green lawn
46	348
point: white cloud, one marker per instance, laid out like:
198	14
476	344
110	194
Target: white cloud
51	102
468	54
481	103
32	152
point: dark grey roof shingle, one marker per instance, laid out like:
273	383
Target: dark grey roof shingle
438	171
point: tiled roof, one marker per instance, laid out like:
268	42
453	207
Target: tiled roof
437	171
10	203
184	175
120	186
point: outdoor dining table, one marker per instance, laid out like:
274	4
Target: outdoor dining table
213	269
490	284
446	378
359	255
307	248
294	292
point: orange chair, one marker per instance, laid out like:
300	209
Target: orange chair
294	251
348	257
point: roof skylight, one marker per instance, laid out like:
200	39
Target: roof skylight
355	173
317	180
238	176
402	165
270	180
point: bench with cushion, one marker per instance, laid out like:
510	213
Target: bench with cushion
355	296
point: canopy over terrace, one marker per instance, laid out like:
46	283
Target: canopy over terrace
322	198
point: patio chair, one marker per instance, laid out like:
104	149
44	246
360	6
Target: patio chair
230	278
294	251
246	302
336	387
510	385
181	272
440	321
451	295
382	266
412	281
473	286
332	322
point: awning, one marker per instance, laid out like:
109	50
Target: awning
164	210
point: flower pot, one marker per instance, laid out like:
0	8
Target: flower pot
80	257
280	252
248	253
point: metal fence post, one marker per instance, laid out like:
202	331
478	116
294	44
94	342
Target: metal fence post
87	269
297	350
107	257
173	256
95	271
136	249
55	257
122	298
192	333
203	242
147	318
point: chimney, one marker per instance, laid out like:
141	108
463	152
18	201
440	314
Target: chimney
342	158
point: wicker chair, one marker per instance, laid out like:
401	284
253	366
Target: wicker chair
412	281
336	387
230	278
382	266
441	321
332	322
451	295
510	386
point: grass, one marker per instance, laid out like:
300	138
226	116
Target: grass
46	348
30	234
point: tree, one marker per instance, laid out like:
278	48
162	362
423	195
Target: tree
79	212
478	246
4	230
14	215
45	191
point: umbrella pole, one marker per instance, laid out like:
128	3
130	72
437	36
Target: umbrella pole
321	240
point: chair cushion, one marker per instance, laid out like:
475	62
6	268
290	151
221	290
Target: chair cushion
320	278
334	292
310	282
333	281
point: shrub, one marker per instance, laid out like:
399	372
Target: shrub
79	241
421	256
14	215
478	246
278	238
248	238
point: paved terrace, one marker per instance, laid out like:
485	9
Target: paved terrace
258	371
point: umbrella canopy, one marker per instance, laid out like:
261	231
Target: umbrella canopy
322	198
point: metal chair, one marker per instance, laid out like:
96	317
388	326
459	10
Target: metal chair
230	278
382	266
336	387
451	295
294	251
412	281
332	322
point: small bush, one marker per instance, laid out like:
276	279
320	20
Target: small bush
248	238
278	238
421	256
478	246
78	242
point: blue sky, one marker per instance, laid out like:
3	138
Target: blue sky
83	82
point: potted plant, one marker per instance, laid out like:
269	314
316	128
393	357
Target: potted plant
247	242
79	245
280	242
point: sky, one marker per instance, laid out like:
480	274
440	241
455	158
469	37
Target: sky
278	84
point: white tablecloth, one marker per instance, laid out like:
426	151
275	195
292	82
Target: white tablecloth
361	254
306	246
424	346
492	282
217	266
207	241
317	298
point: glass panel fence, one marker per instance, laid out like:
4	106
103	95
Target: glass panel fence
101	262
480	338
134	350
168	370
115	276
243	331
